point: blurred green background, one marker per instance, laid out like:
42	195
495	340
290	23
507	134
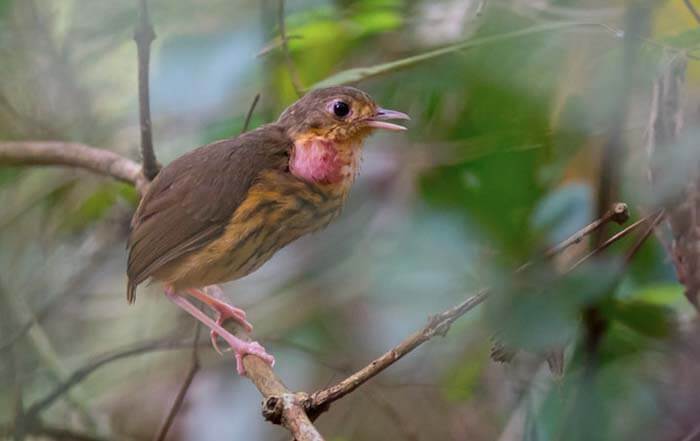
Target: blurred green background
502	159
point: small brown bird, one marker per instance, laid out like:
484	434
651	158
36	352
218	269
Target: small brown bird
219	212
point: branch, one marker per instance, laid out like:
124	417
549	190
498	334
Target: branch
281	406
180	398
692	10
73	154
144	36
293	75
249	115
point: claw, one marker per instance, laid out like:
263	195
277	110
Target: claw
240	348
251	348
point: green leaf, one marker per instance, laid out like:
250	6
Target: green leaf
362	73
648	319
684	40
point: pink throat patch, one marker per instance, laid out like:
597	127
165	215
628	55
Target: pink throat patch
315	160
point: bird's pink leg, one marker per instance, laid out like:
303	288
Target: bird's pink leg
224	311
240	348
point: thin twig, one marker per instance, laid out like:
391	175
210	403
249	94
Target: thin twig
80	374
645	235
611	240
618	213
692	10
180	398
61	434
293	74
144	36
249	115
73	154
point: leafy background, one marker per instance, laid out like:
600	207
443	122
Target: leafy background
502	159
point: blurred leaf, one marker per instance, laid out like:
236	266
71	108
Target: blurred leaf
459	384
363	73
563	211
540	309
687	39
648	319
8	175
661	294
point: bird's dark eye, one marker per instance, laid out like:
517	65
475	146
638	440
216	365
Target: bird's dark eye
341	109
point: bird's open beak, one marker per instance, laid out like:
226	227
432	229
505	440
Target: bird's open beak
379	120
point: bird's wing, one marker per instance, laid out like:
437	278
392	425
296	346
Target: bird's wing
190	202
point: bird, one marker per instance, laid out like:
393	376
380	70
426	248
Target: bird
220	211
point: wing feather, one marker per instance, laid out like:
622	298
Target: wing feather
190	202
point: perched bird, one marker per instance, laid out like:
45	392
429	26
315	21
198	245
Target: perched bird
219	212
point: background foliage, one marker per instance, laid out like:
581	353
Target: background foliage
502	159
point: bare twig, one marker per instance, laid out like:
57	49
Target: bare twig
249	115
144	36
61	434
293	74
72	154
611	240
79	375
692	10
180	398
618	213
645	235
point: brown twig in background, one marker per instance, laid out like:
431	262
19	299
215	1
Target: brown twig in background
73	154
249	115
144	36
658	217
611	240
618	213
80	374
692	10
293	74
180	398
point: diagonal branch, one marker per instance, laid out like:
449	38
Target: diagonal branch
73	154
440	323
692	10
180	398
144	36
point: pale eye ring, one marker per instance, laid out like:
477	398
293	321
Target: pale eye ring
340	108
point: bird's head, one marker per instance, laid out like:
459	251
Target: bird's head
339	114
328	126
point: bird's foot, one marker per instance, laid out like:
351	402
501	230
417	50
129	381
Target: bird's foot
211	296
240	347
244	348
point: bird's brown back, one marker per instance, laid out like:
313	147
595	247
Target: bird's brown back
191	201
